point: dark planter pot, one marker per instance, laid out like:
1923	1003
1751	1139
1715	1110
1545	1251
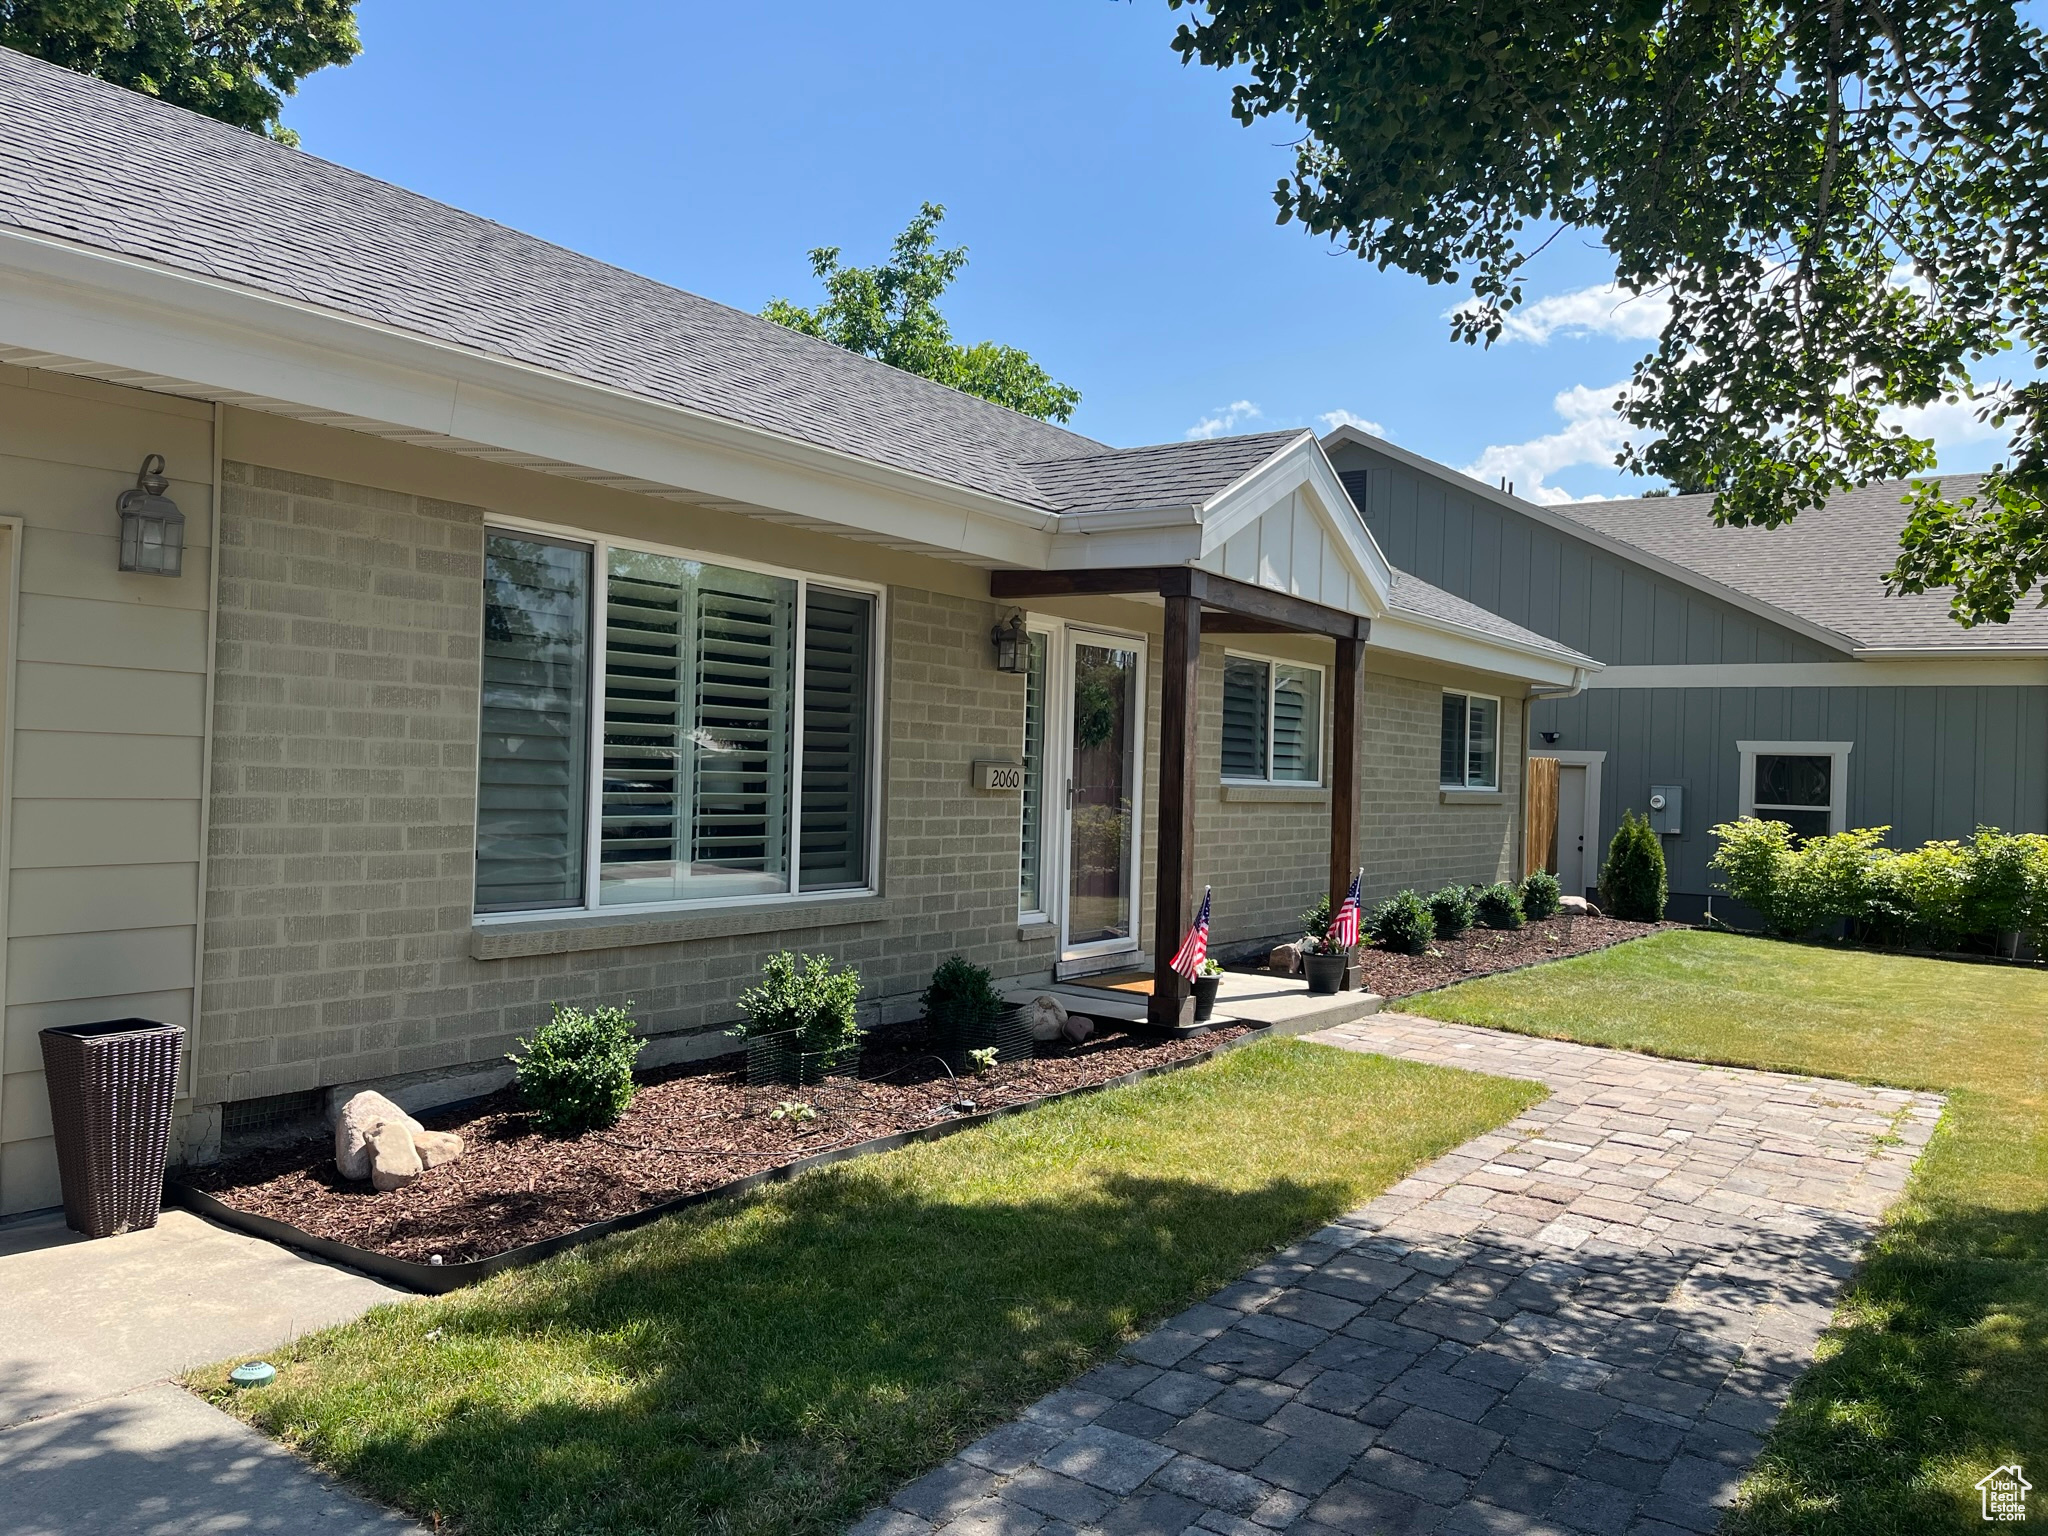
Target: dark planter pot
111	1087
1205	997
1326	972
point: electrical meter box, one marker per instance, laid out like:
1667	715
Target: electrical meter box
1667	806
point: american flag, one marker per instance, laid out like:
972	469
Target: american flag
1344	926
1194	949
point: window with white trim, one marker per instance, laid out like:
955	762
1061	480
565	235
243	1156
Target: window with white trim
1468	754
1803	784
660	731
1272	721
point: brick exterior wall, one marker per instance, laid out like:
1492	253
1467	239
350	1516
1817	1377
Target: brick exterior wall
339	946
1411	837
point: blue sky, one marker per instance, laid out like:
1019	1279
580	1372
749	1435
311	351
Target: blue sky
1120	224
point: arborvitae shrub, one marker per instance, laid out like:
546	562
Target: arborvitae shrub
1633	886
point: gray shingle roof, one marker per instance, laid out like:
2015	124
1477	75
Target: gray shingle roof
87	161
1826	566
1159	475
1416	596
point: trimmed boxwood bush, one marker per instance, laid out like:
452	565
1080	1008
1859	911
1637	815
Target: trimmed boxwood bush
1451	910
806	995
962	999
1633	886
1541	895
577	1071
1498	905
1403	924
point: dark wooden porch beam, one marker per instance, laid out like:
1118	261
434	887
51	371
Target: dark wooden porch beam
1240	624
1347	716
1172	1004
1241	598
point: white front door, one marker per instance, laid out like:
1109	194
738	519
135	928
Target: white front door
1100	766
1572	870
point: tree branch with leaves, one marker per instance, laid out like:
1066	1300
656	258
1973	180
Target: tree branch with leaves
1845	205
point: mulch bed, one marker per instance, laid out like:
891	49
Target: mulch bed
1483	951
691	1127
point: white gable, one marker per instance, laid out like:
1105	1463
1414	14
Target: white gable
1289	548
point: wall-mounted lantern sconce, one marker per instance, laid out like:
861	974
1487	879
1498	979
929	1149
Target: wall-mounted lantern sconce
152	527
1013	645
1550	738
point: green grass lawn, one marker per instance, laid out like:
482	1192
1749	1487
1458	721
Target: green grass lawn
777	1363
1937	1369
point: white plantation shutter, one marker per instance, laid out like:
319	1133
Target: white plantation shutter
837	636
1031	861
698	690
1244	717
533	741
1297	724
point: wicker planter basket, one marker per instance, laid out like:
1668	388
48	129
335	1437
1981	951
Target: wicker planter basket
111	1087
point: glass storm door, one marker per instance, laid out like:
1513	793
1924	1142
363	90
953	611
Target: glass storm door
1106	694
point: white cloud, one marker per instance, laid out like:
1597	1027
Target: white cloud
1954	428
1605	309
1332	420
1226	418
1593	434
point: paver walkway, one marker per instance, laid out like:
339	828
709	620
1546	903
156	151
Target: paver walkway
1581	1322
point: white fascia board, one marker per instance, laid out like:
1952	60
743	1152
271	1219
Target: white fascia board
1408	634
266	352
1619	548
1924	671
1972	653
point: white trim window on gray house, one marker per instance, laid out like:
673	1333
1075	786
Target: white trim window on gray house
1748	669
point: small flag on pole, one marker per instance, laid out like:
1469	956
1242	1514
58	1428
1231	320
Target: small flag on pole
1194	949
1344	926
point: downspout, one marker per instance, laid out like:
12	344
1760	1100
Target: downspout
1534	695
208	1140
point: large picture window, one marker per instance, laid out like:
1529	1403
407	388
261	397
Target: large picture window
1272	721
1468	755
731	754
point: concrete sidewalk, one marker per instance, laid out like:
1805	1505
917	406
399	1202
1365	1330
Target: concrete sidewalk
94	1439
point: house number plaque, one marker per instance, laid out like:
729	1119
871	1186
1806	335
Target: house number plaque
1002	777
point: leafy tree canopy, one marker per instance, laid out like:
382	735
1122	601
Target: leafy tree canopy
1845	203
232	59
891	312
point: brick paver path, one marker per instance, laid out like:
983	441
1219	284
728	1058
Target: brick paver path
1581	1322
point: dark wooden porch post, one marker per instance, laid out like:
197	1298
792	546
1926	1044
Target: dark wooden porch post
1173	1004
1347	716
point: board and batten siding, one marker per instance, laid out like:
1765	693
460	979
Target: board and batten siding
1928	762
103	779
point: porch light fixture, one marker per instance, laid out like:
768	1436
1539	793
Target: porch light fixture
152	527
1550	738
1013	645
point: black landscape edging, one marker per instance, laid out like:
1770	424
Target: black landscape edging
439	1279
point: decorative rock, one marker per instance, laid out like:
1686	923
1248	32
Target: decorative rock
393	1162
1578	906
1077	1028
352	1127
436	1147
1048	1017
1285	960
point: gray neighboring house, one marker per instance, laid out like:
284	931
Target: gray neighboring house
1748	670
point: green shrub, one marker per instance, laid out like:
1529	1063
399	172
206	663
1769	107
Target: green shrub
962	998
1934	880
1498	905
1403	924
1315	922
1755	863
1451	910
577	1071
806	995
1633	886
1541	895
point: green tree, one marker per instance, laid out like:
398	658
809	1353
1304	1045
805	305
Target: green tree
232	59
891	312
1844	203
